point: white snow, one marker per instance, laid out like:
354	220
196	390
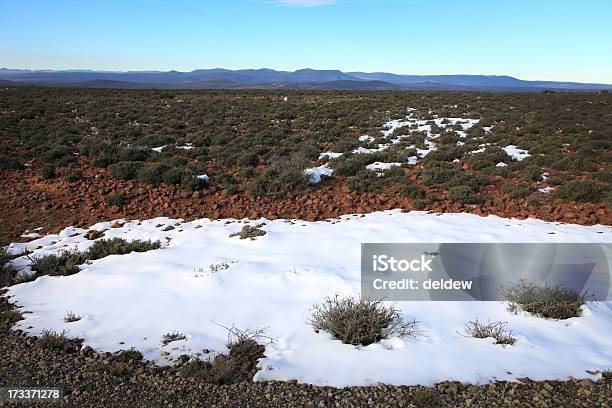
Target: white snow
416	125
186	146
515	152
331	155
366	138
274	280
380	166
501	164
546	190
203	177
316	172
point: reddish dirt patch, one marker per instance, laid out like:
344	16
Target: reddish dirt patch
29	202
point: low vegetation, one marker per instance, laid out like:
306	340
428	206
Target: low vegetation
54	340
249	232
67	262
256	141
495	330
240	364
548	301
118	246
360	321
64	263
71	317
172	336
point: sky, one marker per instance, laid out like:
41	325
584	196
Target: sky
535	40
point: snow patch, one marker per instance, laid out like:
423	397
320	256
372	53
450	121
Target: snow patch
273	282
516	153
315	173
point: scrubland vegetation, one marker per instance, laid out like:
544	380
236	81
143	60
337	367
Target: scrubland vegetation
260	142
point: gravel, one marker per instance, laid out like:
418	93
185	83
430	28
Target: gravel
93	379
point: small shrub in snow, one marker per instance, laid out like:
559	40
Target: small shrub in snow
127	355
412	190
119	246
7	275
62	264
218	267
546	301
249	232
173	336
71	317
496	330
240	364
360	322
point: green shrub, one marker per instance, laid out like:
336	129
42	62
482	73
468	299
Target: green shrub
118	246
584	191
488	158
360	322
7	274
603	176
47	172
517	190
412	190
421	203
532	173
128	355
545	301
278	180
54	340
238	366
463	195
125	170
9	163
114	199
152	173
62	264
364	180
436	176
348	165
73	174
574	164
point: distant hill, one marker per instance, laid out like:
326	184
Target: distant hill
219	78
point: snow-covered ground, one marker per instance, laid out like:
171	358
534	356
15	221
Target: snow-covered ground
315	173
202	279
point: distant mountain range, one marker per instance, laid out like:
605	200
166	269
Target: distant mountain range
270	79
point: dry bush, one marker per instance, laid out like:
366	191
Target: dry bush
496	330
360	322
547	301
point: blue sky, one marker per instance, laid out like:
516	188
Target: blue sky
537	39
